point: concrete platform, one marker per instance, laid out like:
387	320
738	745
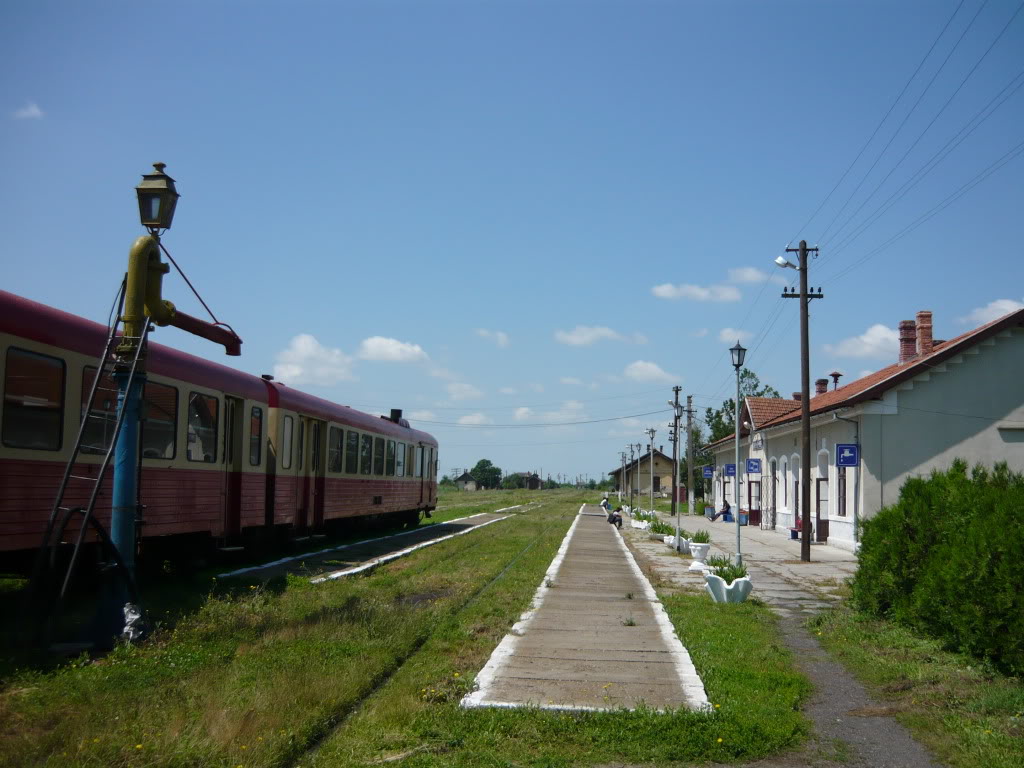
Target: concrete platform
595	638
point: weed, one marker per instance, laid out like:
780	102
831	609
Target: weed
629	595
630	622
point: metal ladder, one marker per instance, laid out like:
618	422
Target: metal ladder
62	514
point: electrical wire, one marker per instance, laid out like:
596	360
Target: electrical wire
541	424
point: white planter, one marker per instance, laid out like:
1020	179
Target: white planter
700	554
643	525
736	592
684	545
655	536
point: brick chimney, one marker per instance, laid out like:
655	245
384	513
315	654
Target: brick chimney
908	340
924	333
820	386
797	395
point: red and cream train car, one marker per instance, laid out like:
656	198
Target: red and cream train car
224	455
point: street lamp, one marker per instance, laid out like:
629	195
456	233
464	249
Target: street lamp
650	460
157	199
738	355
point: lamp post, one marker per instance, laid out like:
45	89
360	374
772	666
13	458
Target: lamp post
738	355
650	460
805	391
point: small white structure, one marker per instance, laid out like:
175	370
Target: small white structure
943	400
465	482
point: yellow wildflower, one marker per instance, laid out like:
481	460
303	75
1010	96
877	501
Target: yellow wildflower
719	739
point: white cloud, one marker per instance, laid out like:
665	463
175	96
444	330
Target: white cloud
508	391
876	342
585	335
639	338
498	337
383	349
474	419
754	275
307	361
537	387
865	373
459	390
642	370
30	111
523	413
571	381
424	415
728	335
570	410
697	292
991	311
700	333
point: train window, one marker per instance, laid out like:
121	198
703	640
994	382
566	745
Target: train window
400	460
99	427
300	443
410	462
378	455
202	428
256	436
33	401
419	461
389	462
352	452
314	447
366	455
430	469
334	445
160	421
286	442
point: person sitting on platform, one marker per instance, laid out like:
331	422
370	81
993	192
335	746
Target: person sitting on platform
615	518
726	509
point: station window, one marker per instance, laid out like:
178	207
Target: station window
389	463
400	460
366	455
334	446
159	428
256	436
33	401
378	455
202	427
352	453
286	442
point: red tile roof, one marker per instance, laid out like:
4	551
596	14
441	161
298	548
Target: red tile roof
765	409
875	384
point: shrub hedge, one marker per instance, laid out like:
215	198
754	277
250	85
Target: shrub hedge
946	559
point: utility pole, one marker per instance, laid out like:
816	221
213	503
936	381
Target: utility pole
650	460
689	454
675	457
622	478
805	392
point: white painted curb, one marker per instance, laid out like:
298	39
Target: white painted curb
306	555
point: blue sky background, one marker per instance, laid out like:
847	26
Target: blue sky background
519	213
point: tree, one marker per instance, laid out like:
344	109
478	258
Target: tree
446	481
720	422
486	474
514	481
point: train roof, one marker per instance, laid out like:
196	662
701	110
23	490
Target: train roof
285	397
31	320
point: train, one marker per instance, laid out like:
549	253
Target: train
228	460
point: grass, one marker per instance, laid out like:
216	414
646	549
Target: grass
256	676
357	670
964	712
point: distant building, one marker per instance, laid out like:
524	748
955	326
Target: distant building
636	481
532	481
941	401
465	482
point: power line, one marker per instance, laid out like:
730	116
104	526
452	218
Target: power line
377	406
932	121
864	178
542	424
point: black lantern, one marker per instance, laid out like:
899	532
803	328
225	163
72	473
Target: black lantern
738	353
157	199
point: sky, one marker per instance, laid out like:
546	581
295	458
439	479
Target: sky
524	222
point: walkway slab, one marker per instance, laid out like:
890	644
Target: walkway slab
596	637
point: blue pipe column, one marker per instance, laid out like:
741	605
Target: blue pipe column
124	505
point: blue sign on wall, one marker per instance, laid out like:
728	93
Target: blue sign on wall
730	470
709	472
753	466
847	455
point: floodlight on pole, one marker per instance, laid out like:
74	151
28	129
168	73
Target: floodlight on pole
739	354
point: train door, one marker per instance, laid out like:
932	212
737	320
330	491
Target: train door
309	465
420	466
234	427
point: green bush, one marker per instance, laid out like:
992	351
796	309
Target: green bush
946	559
663	528
701	537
